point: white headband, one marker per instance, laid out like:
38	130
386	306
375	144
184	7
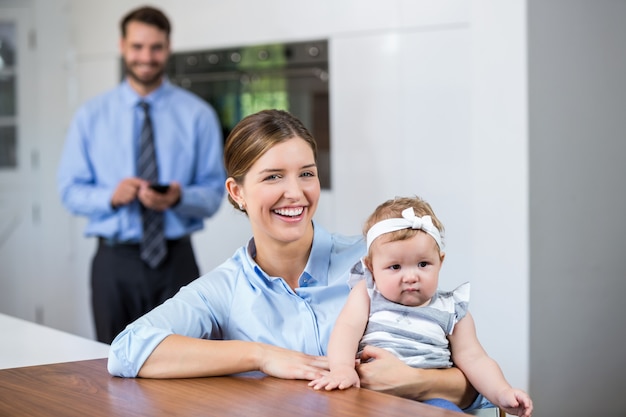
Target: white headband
408	221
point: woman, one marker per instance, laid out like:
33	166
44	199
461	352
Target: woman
271	306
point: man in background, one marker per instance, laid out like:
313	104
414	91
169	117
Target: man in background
143	162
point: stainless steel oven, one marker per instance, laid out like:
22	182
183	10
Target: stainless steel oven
242	80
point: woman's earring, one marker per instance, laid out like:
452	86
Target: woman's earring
241	207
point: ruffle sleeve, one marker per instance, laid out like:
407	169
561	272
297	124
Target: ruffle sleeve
359	272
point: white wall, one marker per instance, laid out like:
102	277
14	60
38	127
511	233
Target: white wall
498	251
414	89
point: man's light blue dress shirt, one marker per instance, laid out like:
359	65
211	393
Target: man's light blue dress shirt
101	150
238	301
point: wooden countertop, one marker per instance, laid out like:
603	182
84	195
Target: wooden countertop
85	388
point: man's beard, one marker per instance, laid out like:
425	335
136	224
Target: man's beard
146	82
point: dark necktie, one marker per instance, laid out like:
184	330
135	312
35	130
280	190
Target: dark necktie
153	247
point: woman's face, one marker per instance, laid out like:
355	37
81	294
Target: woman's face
280	192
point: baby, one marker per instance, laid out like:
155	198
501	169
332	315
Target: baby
395	304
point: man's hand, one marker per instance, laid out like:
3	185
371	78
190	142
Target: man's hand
126	191
159	201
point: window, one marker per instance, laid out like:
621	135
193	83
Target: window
8	123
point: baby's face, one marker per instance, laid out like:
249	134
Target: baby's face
406	271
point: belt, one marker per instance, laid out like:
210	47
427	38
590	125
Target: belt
111	242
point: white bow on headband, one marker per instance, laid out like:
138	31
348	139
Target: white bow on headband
408	221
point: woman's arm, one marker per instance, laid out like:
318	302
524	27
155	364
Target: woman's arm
389	374
185	357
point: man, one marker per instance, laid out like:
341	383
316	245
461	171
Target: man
144	163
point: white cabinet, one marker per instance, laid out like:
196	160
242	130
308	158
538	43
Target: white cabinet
20	210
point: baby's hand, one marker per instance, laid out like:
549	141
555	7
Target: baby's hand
516	402
341	378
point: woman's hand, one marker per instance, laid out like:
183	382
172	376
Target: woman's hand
288	364
382	371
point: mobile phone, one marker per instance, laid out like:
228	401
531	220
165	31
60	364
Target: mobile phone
160	188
